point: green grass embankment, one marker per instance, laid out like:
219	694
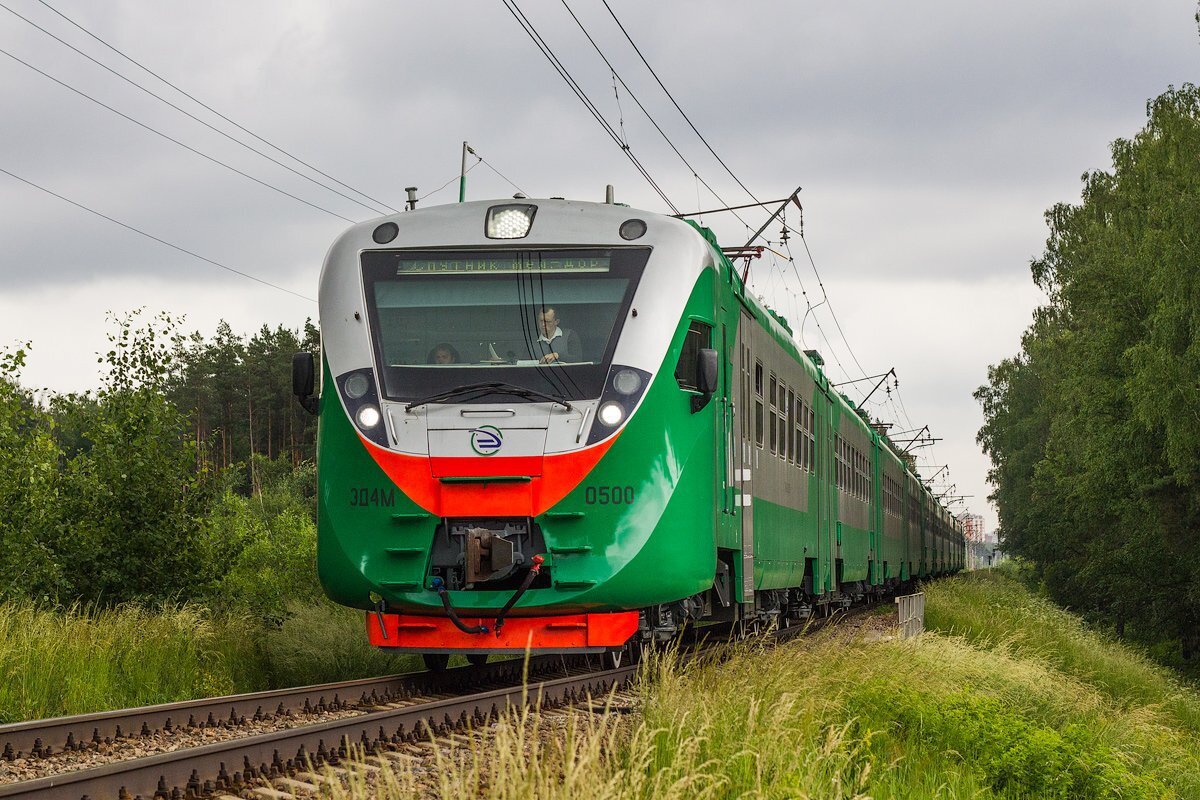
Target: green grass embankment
79	660
1006	697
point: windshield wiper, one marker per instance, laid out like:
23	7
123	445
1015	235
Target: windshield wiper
496	387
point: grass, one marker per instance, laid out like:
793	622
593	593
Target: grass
55	662
1008	698
322	642
994	610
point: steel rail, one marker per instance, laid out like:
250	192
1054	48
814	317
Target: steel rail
228	765
45	737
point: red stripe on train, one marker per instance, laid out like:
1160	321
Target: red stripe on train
414	475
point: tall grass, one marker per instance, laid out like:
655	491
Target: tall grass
835	716
323	642
55	662
994	610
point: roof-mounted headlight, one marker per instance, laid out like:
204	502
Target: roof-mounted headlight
510	221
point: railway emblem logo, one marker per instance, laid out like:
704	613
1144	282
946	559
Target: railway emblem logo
486	440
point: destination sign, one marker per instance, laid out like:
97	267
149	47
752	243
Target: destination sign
490	264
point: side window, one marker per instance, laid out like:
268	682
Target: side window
837	454
771	394
698	337
798	430
791	426
758	403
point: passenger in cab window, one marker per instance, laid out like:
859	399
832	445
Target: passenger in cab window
442	354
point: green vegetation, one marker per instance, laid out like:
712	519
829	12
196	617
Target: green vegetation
78	660
83	659
1009	698
1092	427
159	533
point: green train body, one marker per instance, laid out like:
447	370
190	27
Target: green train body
652	488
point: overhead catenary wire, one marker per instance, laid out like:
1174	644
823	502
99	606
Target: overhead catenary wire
643	109
696	130
565	74
209	108
169	138
192	116
733	175
151	236
675	103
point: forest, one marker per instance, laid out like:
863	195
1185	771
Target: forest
1093	428
187	476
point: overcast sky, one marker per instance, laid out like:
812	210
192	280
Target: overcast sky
928	137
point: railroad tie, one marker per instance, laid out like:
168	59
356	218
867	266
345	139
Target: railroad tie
297	788
264	793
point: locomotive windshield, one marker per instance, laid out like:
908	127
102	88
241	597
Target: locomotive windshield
546	320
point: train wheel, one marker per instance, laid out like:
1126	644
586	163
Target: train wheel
435	662
477	659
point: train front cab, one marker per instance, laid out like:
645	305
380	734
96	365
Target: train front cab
619	505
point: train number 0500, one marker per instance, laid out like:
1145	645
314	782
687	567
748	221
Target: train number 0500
608	495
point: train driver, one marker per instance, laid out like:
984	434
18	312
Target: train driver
554	342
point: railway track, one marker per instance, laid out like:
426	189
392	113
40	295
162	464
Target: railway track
394	711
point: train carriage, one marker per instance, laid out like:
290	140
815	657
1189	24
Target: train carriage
566	426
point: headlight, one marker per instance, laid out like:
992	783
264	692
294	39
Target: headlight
627	381
611	414
368	416
509	221
357	385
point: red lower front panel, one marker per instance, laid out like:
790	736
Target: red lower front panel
571	632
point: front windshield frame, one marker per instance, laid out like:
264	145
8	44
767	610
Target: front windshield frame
573	381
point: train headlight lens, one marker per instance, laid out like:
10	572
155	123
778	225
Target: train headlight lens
633	229
385	233
511	221
611	414
357	385
627	381
368	416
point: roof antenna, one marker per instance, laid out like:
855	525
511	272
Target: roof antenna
412	198
609	196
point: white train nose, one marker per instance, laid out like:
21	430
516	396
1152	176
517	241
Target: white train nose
483	431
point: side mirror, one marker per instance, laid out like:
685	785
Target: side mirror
304	374
707	370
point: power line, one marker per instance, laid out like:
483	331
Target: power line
192	116
204	105
721	161
830	304
141	232
634	97
673	102
565	74
87	96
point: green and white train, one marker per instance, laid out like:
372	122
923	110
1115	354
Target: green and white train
566	426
